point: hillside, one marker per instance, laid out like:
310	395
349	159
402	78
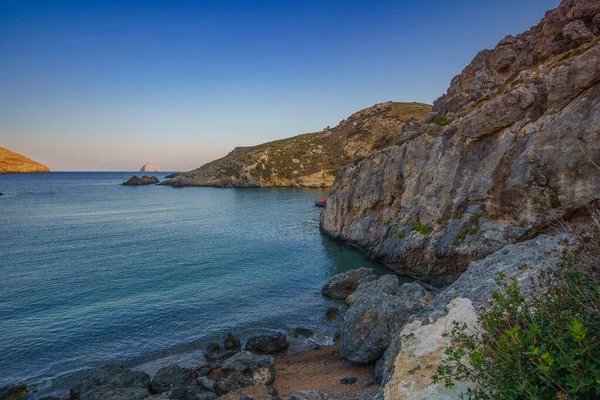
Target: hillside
13	163
311	159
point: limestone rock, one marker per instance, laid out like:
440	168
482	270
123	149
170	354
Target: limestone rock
374	317
246	369
144	180
12	163
149	167
342	285
500	174
421	350
519	261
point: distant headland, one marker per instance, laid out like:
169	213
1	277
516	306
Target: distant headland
14	163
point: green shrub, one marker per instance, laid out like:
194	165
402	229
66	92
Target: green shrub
438	221
459	216
422	228
473	230
387	222
401	234
485	240
442	120
554	201
542	343
481	100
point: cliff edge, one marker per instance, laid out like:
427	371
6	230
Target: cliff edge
311	159
512	148
14	163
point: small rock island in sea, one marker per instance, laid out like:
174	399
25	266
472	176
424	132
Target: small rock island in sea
149	167
144	180
14	163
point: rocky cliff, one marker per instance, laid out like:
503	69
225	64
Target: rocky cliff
13	163
312	159
510	149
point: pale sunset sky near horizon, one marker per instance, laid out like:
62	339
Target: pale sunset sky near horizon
111	85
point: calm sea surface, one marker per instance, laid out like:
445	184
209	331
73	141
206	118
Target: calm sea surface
92	272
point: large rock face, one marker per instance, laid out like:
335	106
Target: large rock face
476	285
13	163
520	151
377	311
309	160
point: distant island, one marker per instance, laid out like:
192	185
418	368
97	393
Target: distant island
149	167
14	163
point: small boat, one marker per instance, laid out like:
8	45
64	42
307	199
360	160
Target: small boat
321	203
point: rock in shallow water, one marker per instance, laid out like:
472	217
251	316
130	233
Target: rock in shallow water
267	343
342	285
144	180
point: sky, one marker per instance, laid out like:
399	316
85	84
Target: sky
111	85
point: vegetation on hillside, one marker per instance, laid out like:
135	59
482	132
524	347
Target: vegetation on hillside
541	342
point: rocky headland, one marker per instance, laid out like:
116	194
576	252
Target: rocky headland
13	163
312	159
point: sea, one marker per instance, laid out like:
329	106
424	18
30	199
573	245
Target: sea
93	272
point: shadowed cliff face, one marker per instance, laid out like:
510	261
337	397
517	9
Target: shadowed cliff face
12	163
505	167
312	159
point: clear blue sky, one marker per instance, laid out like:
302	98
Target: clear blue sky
111	85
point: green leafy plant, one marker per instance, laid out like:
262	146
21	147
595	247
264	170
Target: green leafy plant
401	234
422	228
537	342
387	222
438	221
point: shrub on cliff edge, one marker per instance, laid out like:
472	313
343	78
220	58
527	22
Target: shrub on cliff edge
542	343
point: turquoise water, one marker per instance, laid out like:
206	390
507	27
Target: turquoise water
93	272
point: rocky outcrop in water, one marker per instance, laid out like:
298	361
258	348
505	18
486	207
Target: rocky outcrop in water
309	160
144	180
512	147
342	285
13	163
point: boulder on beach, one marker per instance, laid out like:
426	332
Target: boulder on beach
342	285
171	377
144	180
112	381
270	343
375	316
246	369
